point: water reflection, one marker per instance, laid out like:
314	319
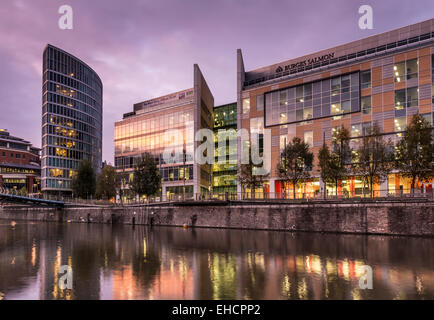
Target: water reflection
122	262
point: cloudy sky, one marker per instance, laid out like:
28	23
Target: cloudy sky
146	48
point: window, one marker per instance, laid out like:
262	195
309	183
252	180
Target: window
400	124
406	70
314	100
246	106
308	92
336	86
432	64
366	105
307	113
412	97
356	130
283	98
345	83
283	142
335	131
365	79
299	94
299	115
406	98
400	99
346	106
366	128
399	71
412	68
308	138
427	117
260	102
432	90
335	108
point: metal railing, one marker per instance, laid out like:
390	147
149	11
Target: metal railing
288	196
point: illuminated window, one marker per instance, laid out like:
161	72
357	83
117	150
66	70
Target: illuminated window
260	102
405	70
308	138
283	142
427	117
335	108
356	130
366	105
406	98
299	94
307	113
400	124
246	106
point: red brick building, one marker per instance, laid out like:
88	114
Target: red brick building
20	164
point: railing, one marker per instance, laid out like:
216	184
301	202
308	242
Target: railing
288	196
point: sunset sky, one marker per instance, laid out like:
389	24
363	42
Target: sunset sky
143	49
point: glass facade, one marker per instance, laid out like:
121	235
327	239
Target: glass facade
334	96
71	119
150	129
225	174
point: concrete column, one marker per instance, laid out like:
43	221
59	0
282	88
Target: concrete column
384	187
322	187
272	188
163	193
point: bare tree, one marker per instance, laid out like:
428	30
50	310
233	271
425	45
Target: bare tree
373	159
414	152
248	178
334	164
295	162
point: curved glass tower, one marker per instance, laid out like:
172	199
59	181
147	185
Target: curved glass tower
71	119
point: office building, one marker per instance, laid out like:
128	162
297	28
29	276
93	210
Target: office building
20	165
71	119
386	78
147	129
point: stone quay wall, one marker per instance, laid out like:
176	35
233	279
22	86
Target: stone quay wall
390	218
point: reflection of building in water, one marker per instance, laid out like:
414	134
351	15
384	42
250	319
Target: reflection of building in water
119	263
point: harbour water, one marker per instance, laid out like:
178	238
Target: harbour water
126	262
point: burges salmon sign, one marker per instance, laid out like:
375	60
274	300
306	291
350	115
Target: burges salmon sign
305	63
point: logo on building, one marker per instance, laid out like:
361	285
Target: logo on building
306	62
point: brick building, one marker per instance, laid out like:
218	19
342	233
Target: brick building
20	165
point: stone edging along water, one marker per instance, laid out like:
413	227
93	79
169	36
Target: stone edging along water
403	218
